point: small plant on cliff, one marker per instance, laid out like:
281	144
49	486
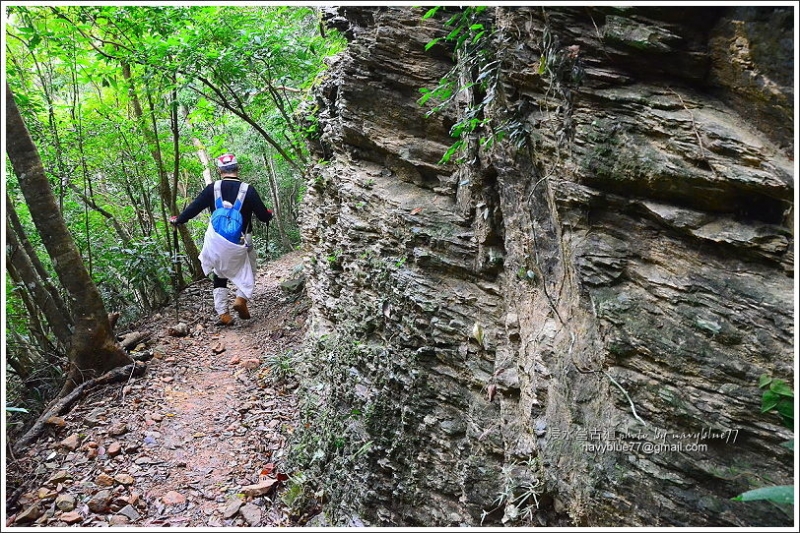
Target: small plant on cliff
332	446
519	496
280	367
335	258
777	397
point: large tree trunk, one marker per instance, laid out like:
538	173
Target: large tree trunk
93	349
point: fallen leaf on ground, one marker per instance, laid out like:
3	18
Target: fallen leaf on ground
56	421
259	489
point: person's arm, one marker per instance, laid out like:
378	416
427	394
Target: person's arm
203	201
259	209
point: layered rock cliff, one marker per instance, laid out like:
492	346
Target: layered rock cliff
567	325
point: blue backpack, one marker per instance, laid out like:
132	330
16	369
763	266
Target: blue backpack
227	219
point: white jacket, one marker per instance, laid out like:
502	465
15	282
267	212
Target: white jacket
235	262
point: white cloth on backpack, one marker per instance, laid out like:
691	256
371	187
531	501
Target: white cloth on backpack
235	262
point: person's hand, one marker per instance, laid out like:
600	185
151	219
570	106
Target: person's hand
173	220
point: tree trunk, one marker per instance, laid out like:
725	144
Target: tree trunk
35	328
17	227
18	262
168	204
176	169
146	209
202	154
276	202
192	253
93	350
25	359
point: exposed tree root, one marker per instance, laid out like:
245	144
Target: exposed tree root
130	340
63	404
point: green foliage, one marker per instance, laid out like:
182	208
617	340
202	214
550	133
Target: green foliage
480	55
64	67
344	430
465	26
777	397
68	67
273	55
468	34
334	259
140	262
781	494
298	494
281	366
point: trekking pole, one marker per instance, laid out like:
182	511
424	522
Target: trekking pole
175	262
266	247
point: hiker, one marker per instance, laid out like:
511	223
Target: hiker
229	254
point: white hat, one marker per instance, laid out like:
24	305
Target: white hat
226	160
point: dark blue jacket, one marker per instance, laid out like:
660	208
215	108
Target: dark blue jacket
253	205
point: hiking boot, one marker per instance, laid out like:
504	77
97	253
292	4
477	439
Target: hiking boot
240	306
224	320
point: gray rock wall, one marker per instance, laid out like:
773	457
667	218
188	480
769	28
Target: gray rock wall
569	327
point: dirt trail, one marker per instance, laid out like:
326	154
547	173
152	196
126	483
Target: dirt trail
184	444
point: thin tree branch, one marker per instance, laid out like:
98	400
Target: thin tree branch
92	38
244	116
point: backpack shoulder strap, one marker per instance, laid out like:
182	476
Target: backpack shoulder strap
240	197
218	194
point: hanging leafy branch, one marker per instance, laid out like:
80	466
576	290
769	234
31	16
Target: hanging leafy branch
472	84
472	79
